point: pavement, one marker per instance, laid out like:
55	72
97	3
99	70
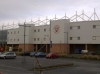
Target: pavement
15	66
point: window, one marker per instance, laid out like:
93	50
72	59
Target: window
70	38
10	39
78	27
8	32
44	30
94	26
94	37
70	27
18	31
38	30
38	39
14	39
44	39
14	32
34	30
11	32
34	39
17	39
78	38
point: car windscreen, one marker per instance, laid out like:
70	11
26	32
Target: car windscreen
39	53
5	53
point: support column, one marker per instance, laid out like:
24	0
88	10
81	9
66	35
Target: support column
46	48
36	47
12	46
68	49
86	47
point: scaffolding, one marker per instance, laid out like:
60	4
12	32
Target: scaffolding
74	18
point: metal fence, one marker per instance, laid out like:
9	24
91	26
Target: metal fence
74	18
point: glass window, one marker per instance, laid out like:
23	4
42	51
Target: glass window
94	37
34	30
70	27
70	38
78	38
38	39
44	30
38	30
34	39
44	39
78	27
94	26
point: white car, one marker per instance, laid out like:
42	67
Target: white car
8	55
1	53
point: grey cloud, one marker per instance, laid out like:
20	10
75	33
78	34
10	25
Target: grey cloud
23	9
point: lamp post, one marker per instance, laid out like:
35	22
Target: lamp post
24	60
67	42
3	36
50	35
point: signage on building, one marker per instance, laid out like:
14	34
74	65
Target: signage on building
51	44
56	29
10	48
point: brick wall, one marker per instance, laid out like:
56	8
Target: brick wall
60	48
28	47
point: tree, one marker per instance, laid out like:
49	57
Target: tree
6	48
15	48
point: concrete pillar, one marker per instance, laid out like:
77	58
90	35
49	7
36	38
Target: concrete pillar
46	48
85	46
36	47
12	46
68	49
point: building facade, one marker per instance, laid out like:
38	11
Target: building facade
65	36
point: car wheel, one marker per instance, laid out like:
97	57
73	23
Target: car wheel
14	57
4	57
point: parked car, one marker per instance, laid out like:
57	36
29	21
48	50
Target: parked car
33	54
40	54
8	55
1	53
52	55
25	53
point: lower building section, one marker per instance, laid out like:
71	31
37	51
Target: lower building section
90	47
60	48
42	47
28	47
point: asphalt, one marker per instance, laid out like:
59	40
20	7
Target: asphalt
15	66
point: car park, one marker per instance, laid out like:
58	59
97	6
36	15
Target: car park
52	55
1	53
6	55
40	54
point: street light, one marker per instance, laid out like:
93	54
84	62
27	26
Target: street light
24	60
67	42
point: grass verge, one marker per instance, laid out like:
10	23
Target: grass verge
51	67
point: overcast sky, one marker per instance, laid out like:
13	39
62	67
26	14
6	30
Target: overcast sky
15	10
